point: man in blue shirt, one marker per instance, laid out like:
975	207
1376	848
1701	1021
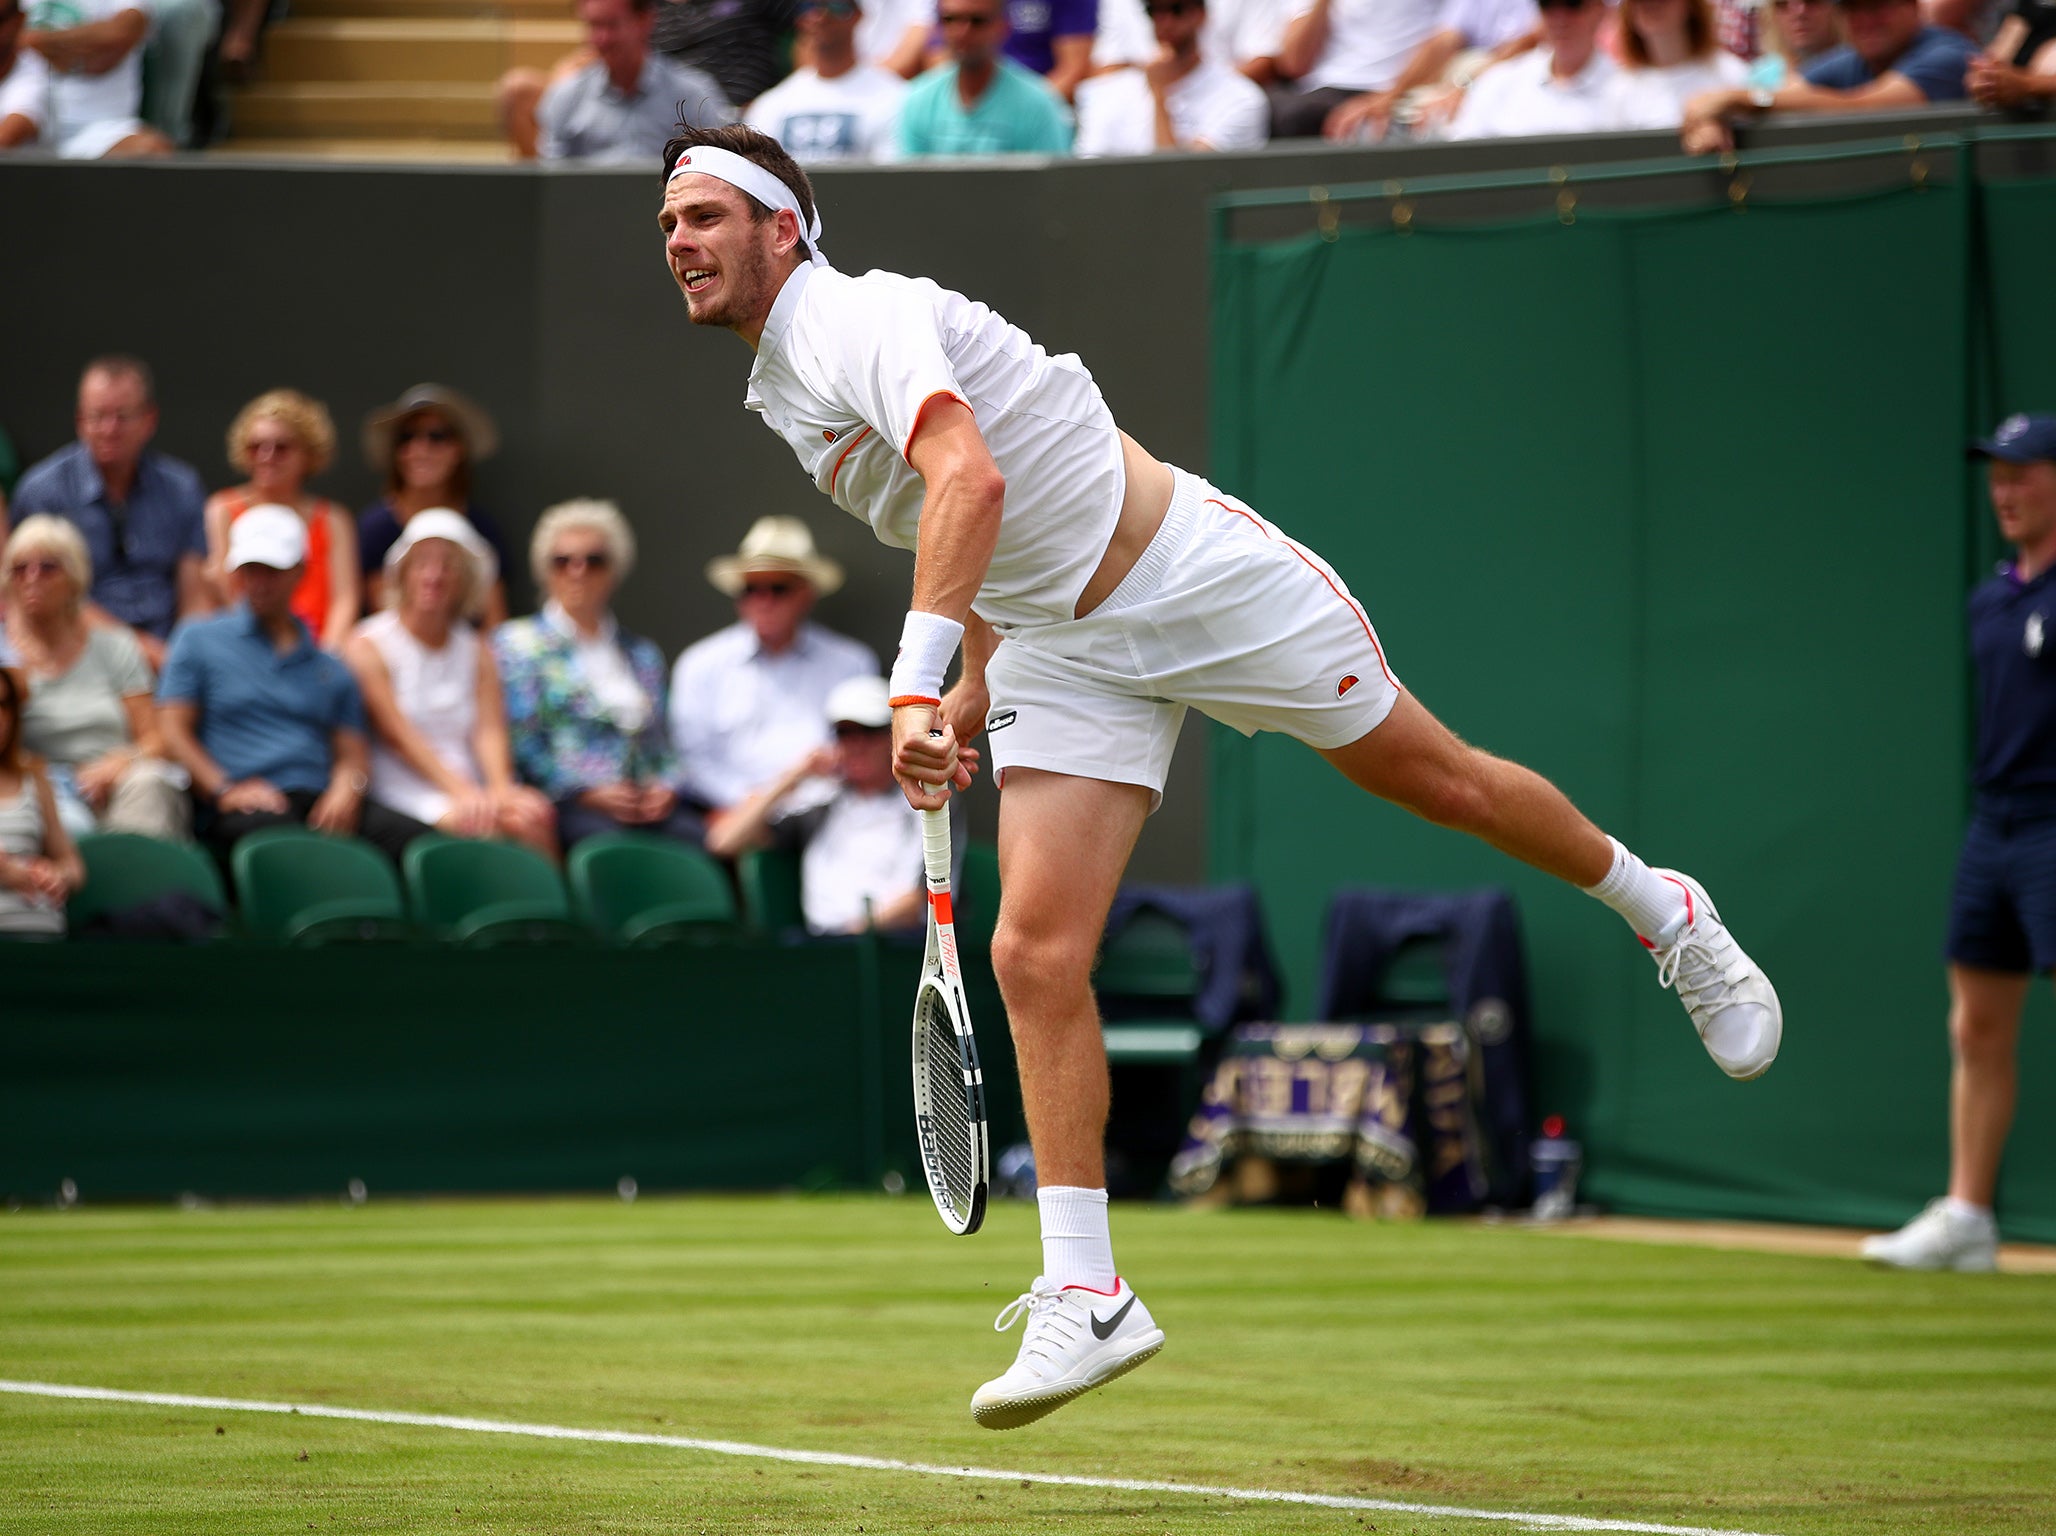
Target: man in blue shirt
1053	38
1893	60
981	102
270	727
140	511
2002	920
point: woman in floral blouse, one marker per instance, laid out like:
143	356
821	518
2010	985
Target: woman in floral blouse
585	700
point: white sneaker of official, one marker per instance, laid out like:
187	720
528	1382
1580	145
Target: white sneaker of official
1732	1003
1077	1339
1940	1237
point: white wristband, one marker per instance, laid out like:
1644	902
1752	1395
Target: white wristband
927	643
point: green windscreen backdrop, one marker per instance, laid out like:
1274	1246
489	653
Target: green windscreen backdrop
1671	505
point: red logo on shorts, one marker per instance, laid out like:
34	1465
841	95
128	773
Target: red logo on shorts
1345	685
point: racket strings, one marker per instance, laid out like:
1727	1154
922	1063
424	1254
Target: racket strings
949	1105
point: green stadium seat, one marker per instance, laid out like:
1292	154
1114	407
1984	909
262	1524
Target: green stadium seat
124	869
300	887
1148	968
640	889
770	881
481	893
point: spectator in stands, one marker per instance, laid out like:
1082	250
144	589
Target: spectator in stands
2018	70
140	510
748	698
1337	49
269	726
95	52
616	100
425	444
1470	36
1794	34
1054	39
740	43
1245	35
439	745
24	85
39	867
281	440
894	35
980	102
585	699
89	715
1668	55
1893	60
174	63
1568	85
860	845
1179	100
835	107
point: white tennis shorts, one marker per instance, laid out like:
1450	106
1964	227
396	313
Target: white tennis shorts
1223	614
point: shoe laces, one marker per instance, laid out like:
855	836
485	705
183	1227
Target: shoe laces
1702	967
1052	1319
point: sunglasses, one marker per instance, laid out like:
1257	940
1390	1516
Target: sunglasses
766	588
21	570
964	19
425	435
265	447
596	561
845	729
1561	5
829	7
1173	8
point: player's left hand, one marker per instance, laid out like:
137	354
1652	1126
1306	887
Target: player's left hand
925	757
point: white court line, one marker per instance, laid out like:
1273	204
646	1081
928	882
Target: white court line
1530	1522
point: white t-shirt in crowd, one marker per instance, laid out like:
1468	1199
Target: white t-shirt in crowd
79	102
1488	23
847	365
1655	97
1369	41
885	22
1236	31
1520	96
862	850
25	90
855	116
1214	106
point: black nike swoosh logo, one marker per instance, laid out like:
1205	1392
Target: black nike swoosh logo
1105	1330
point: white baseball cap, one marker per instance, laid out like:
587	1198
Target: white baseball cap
861	701
267	535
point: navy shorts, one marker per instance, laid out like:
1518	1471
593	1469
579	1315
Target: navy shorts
2002	913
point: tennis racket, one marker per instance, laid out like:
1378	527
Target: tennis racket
949	1088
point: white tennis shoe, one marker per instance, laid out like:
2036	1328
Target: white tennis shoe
1940	1237
1077	1339
1732	1003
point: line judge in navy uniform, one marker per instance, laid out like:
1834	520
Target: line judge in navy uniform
2002	920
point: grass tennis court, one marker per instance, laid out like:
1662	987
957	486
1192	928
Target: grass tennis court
1437	1364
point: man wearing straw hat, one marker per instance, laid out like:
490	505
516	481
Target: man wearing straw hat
1098	593
747	700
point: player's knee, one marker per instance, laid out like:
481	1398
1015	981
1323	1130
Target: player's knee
1979	1036
1034	964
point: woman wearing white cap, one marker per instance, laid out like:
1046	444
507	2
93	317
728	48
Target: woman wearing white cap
439	750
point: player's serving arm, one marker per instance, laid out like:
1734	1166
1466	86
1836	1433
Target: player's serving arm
1097	593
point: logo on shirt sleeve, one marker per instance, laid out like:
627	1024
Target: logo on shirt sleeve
2031	637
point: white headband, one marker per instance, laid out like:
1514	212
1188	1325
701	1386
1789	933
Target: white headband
726	165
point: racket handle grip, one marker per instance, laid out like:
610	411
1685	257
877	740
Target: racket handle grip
935	847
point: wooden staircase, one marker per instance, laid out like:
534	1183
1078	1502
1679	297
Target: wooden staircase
392	79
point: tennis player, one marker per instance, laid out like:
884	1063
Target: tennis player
1097	593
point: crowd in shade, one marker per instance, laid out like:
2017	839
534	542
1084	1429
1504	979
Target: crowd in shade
198	667
886	80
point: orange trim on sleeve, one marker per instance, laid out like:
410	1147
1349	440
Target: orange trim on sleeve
940	394
845	454
1355	608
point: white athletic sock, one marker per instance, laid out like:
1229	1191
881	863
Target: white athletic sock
1651	904
1077	1249
1968	1211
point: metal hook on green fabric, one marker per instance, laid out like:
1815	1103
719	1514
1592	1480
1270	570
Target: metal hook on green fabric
1738	181
1328	220
1566	199
1918	169
1402	210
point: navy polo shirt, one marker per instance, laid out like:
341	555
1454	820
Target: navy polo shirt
263	714
2013	641
137	545
1935	61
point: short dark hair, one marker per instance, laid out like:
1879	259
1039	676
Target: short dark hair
759	148
120	365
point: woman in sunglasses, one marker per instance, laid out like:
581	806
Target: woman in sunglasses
281	440
425	444
586	699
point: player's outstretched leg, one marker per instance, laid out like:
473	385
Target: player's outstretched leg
1063	843
1415	761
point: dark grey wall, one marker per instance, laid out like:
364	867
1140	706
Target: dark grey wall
543	294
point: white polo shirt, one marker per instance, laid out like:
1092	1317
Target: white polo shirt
844	370
25	91
1655	97
1235	32
1369	42
858	851
854	116
1214	105
885	22
79	102
1520	96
